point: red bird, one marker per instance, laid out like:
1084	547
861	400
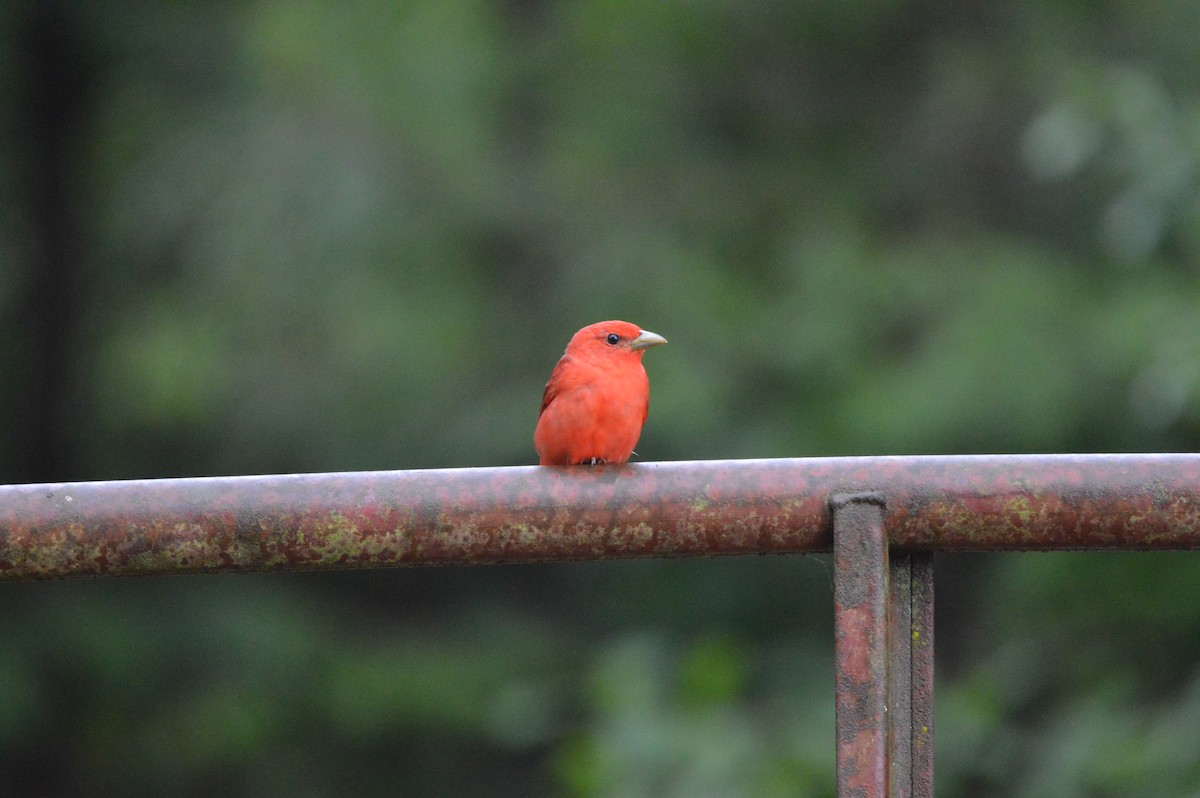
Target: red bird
597	398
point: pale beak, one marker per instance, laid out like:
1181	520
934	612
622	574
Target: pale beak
646	339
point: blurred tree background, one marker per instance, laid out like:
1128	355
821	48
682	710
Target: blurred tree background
254	236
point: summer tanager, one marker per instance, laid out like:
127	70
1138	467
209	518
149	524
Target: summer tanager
597	397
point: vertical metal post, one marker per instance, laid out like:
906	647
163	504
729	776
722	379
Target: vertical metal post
883	621
860	599
921	638
910	676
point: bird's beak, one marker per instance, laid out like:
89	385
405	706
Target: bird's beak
646	339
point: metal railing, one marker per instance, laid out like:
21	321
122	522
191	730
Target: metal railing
882	517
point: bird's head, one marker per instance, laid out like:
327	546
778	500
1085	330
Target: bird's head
612	339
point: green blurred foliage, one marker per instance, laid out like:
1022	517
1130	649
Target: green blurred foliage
316	237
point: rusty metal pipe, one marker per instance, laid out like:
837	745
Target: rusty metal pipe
529	514
910	675
861	645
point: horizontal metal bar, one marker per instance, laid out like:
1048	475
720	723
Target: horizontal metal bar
484	515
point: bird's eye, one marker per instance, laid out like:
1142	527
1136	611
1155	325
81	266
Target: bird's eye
613	339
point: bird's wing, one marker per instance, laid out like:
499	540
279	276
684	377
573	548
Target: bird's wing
548	396
555	384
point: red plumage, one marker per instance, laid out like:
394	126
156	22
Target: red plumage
597	398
